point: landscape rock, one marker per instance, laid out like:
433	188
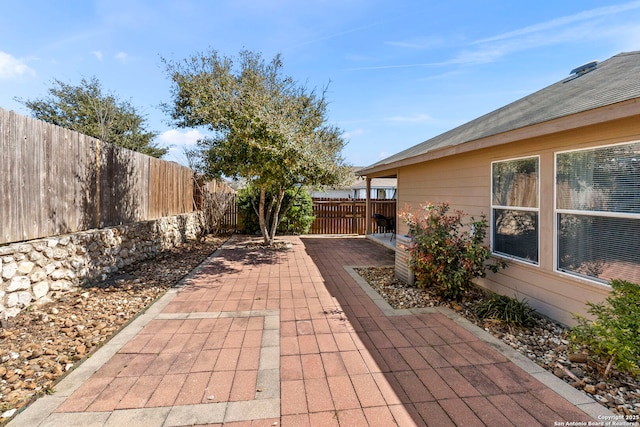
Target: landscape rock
545	343
25	267
9	270
578	358
38	346
19	283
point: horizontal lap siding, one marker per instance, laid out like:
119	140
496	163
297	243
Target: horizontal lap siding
464	181
551	294
464	184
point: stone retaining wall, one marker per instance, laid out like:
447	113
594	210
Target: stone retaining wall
38	271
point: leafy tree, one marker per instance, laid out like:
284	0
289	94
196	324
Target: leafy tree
267	129
297	204
87	109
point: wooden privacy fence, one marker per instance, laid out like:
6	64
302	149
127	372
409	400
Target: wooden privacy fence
55	181
219	203
347	216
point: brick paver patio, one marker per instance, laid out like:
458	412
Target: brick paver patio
294	338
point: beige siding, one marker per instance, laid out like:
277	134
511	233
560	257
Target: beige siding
464	181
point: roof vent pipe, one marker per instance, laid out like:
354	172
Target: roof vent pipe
581	70
589	66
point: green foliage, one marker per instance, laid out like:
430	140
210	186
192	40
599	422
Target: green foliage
86	109
267	129
615	332
296	212
507	310
444	254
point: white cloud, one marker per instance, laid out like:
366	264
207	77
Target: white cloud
418	118
121	56
387	67
352	133
563	21
97	54
177	141
567	29
11	67
418	43
175	137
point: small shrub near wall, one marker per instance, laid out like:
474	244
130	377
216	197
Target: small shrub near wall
613	334
445	253
38	271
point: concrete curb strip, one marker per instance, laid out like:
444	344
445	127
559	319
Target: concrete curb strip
577	398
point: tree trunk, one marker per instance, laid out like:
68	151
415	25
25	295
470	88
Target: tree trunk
262	217
269	218
276	215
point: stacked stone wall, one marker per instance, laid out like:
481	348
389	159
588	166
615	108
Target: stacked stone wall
39	271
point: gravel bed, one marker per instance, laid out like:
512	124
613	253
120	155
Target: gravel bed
41	344
545	343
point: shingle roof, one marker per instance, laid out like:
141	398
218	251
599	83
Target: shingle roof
615	80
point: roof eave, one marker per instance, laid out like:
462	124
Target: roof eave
595	116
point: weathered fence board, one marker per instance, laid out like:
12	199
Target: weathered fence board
347	216
55	181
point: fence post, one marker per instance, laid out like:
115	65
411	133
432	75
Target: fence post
354	218
98	169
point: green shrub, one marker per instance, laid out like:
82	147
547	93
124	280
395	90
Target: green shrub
614	335
297	219
296	212
444	253
506	309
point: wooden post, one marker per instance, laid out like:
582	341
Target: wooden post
354	218
368	208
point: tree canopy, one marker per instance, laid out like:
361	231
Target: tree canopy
85	108
268	130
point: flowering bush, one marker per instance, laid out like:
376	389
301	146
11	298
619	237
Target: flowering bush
445	254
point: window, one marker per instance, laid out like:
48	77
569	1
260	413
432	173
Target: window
514	208
598	212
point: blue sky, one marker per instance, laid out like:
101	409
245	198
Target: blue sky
398	72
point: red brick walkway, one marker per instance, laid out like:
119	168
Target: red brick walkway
264	338
420	369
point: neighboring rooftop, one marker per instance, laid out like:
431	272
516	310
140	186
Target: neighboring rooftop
589	87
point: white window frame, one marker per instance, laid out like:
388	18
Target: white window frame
556	212
524	209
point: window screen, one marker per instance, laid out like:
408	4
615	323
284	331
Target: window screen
514	208
598	212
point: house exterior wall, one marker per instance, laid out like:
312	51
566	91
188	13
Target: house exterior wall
357	193
376	193
464	180
332	194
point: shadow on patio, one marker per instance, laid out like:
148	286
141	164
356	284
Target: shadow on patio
428	369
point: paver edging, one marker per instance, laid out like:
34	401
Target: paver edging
42	409
571	394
